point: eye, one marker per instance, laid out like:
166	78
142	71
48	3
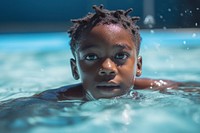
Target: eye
122	56
91	57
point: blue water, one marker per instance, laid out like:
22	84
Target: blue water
34	62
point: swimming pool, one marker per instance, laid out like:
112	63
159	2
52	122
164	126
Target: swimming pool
34	62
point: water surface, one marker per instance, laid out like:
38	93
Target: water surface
31	63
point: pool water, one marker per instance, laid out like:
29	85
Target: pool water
34	62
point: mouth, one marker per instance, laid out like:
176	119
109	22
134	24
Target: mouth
108	86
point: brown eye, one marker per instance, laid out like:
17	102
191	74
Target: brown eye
122	56
91	57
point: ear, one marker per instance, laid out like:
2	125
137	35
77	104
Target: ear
74	69
139	66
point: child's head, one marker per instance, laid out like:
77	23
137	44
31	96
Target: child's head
106	45
103	16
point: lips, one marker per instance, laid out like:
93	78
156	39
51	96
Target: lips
108	86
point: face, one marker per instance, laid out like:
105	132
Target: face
106	61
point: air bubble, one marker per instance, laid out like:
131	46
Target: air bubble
181	14
161	16
184	42
196	24
197	8
169	10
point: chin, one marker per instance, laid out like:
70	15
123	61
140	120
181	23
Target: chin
110	94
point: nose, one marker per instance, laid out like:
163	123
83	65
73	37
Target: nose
108	68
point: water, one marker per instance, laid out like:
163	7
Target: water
29	69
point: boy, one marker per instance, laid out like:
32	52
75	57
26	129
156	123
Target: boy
105	46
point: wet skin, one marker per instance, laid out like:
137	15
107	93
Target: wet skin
106	61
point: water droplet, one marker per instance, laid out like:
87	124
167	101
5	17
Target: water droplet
184	42
196	24
149	21
164	28
169	10
152	31
194	35
186	11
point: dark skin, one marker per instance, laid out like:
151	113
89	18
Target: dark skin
107	63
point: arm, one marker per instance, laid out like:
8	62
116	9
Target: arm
146	83
70	92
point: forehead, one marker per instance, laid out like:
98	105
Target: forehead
108	34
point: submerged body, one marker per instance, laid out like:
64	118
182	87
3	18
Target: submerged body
76	91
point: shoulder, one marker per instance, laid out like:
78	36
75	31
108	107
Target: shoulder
145	83
69	92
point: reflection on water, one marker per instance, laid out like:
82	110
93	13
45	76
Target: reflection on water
152	112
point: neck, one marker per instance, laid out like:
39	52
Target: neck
89	96
130	94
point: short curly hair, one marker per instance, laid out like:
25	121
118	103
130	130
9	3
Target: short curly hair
104	16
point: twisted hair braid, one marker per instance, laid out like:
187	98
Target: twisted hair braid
104	16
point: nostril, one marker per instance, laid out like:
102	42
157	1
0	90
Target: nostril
103	73
112	73
106	72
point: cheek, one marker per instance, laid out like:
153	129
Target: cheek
87	70
129	70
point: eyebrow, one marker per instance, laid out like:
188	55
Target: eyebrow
86	47
123	46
